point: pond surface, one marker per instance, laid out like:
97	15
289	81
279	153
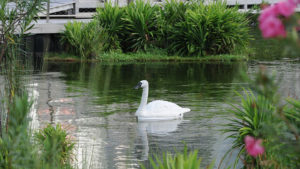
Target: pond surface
96	103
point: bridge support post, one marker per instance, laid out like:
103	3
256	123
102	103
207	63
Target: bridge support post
48	11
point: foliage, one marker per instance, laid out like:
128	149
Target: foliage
184	28
15	147
227	28
282	137
111	26
141	25
173	12
248	117
81	39
261	115
293	114
17	150
188	38
281	21
16	16
56	148
179	161
208	29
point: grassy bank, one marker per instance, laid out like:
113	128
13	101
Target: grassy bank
143	57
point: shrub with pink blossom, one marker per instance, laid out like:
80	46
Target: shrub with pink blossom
272	18
265	131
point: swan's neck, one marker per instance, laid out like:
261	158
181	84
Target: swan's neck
143	101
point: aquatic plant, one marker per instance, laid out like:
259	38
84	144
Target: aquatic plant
56	148
178	161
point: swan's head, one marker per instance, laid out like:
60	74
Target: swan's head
142	84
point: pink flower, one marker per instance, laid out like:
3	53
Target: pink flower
286	8
268	12
272	27
253	146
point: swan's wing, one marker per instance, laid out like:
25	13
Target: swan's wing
161	108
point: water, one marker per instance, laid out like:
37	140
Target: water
96	103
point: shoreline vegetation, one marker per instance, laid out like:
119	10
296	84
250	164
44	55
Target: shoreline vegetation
144	57
175	31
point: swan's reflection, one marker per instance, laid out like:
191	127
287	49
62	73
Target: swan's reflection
158	128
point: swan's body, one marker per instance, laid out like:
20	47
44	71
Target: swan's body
158	109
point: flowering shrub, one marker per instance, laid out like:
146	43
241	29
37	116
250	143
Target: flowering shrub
261	115
270	20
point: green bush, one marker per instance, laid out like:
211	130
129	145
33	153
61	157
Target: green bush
141	25
81	39
184	28
178	161
56	148
111	26
207	29
281	135
188	38
227	28
247	118
16	148
173	12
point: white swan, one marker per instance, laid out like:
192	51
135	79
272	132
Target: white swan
158	109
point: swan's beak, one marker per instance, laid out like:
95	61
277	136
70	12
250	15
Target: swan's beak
138	85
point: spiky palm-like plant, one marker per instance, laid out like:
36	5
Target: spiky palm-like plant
141	24
188	38
247	119
111	26
227	28
80	38
178	161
